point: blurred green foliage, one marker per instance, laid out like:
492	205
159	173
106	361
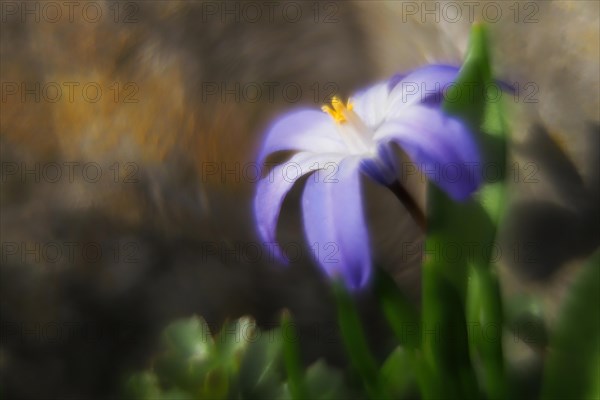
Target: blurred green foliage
240	362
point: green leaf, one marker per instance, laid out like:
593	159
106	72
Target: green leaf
355	342
325	383
189	355
397	309
215	384
260	374
291	357
485	316
463	281
399	373
143	386
189	338
445	340
233	340
573	368
174	394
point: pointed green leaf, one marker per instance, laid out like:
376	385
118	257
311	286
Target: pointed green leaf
573	368
325	382
399	373
143	386
453	285
355	342
189	337
291	357
260	374
397	309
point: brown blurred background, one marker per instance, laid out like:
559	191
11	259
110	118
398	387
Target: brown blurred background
162	99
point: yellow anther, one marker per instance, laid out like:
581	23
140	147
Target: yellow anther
338	109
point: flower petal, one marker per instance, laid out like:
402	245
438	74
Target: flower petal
272	189
335	224
442	146
382	168
302	130
423	85
371	104
426	84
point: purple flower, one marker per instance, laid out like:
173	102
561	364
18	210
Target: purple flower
348	140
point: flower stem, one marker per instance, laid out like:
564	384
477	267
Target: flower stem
409	202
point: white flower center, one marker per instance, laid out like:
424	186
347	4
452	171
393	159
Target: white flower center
351	128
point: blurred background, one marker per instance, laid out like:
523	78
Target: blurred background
128	135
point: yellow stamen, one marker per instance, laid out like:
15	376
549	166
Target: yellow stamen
338	109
